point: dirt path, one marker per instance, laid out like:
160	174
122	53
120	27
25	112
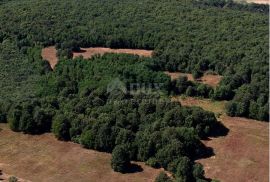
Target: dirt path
42	158
208	79
242	155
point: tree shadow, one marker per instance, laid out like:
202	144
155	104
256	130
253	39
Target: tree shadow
134	168
219	130
79	51
204	152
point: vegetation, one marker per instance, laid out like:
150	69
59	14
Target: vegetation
163	177
120	103
184	35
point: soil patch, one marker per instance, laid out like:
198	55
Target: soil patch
50	54
208	79
89	52
44	158
259	1
240	156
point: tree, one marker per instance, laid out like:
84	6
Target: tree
181	84
184	168
190	91
120	159
13	179
163	177
198	171
60	127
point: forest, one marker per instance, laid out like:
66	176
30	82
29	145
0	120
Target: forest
190	36
73	101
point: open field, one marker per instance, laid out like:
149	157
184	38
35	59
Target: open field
209	79
89	52
259	1
240	156
43	158
50	54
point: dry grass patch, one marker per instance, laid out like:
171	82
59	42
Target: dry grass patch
208	79
89	52
50	54
43	158
242	155
259	1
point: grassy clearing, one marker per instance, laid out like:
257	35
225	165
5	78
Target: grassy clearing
241	155
43	158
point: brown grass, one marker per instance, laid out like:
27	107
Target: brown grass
242	155
259	1
208	79
175	75
50	54
43	158
89	52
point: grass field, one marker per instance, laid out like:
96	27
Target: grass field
240	156
255	1
50	53
43	158
208	79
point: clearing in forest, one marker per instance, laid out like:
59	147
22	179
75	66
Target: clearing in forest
242	155
89	52
50	54
44	158
208	79
259	1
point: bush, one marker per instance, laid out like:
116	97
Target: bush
120	159
163	177
12	179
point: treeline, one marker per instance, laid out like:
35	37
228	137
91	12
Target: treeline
76	102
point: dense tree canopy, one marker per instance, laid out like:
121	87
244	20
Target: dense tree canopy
191	36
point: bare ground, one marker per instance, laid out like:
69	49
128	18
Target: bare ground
259	1
43	158
242	155
50	54
208	79
89	52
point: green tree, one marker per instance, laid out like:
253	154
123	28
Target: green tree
184	168
60	127
163	177
120	159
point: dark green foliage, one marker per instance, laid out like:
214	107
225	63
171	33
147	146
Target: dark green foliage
120	159
184	169
184	40
198	171
30	117
163	177
13	179
183	86
60	127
